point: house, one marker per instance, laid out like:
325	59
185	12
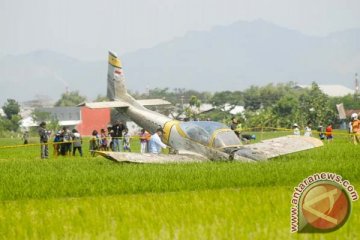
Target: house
84	119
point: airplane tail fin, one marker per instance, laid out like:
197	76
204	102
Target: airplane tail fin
116	89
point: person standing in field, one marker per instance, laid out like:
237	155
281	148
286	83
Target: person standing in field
296	129
155	143
111	142
26	137
57	143
143	141
94	142
77	142
234	126
127	138
308	132
328	132
118	128
355	125
65	147
44	137
104	140
320	131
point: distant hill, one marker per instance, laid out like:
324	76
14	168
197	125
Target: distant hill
225	58
243	54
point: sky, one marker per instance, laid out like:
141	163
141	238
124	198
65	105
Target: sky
86	29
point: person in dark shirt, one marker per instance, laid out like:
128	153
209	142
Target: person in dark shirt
116	136
234	126
65	147
44	137
77	142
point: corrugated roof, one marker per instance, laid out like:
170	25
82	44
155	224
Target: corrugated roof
333	90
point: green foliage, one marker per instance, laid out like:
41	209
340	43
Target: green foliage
349	101
216	115
194	107
256	97
315	106
253	99
283	105
39	116
176	96
220	99
101	98
70	99
11	107
278	105
11	122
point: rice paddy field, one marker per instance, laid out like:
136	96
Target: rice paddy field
94	198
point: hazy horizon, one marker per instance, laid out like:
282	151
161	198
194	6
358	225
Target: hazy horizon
87	29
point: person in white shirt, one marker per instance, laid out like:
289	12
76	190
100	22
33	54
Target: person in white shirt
296	129
308	132
155	143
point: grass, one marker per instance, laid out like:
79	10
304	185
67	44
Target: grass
88	198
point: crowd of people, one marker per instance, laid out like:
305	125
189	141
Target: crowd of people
117	138
114	138
326	133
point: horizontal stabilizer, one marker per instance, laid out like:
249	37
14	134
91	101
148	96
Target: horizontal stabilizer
153	102
277	146
123	104
151	158
112	104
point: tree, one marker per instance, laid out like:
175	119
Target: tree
39	116
11	107
287	111
194	102
70	99
252	98
256	97
227	98
349	101
315	106
101	98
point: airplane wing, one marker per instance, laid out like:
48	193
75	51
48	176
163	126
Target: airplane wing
122	104
152	158
153	102
276	147
111	104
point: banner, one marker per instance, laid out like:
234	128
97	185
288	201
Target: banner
341	111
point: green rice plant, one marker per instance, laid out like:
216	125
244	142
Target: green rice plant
92	197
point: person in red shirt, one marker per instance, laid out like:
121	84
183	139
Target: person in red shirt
328	132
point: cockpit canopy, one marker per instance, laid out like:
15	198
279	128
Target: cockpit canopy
212	134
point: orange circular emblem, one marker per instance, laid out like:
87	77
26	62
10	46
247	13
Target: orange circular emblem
326	206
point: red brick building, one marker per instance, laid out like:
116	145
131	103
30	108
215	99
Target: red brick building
93	119
84	119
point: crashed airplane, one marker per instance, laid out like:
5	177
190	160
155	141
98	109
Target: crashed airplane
194	141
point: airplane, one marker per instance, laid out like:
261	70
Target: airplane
194	141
